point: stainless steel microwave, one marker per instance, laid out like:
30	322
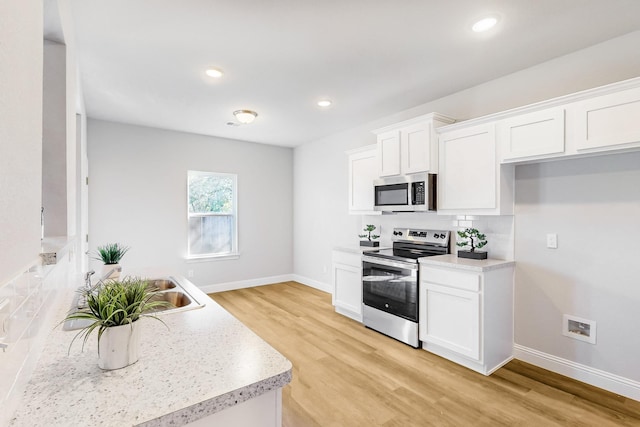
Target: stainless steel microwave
406	193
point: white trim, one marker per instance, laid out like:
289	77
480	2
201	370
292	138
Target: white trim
241	284
261	281
595	377
212	257
560	101
324	287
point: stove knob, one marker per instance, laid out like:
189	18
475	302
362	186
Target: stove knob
399	233
395	233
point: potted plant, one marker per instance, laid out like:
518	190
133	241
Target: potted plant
370	237
114	309
475	240
111	254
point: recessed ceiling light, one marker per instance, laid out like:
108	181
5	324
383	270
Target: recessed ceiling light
324	103
214	72
485	24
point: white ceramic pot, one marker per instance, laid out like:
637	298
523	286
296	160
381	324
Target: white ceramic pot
115	270
118	346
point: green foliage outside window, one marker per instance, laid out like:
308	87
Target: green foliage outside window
210	193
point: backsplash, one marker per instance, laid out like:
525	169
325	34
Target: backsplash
499	229
25	322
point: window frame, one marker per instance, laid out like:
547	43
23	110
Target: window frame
234	253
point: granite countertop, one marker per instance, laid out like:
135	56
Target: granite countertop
205	361
452	261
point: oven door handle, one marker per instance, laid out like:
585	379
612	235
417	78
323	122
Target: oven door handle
390	263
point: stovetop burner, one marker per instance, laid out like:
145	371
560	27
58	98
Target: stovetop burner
410	244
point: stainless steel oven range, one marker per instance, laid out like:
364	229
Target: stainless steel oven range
390	282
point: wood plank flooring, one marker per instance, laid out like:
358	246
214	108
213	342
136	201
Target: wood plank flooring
345	375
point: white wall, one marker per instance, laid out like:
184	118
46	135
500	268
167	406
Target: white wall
320	168
137	196
20	135
54	139
593	205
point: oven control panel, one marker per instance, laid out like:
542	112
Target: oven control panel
440	237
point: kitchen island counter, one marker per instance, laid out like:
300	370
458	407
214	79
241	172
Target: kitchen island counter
205	362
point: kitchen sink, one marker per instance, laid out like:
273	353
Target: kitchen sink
169	290
161	284
173	299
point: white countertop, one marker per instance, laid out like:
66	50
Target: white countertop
452	261
357	249
205	362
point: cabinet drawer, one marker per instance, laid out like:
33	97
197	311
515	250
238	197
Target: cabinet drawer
347	258
453	279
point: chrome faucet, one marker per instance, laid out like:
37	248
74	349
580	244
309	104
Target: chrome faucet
87	278
88	287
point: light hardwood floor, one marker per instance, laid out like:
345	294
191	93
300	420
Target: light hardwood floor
346	375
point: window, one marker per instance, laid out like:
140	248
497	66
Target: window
212	214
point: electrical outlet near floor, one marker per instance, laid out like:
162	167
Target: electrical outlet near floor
552	241
189	273
578	328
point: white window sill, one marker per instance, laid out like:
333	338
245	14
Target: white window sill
213	257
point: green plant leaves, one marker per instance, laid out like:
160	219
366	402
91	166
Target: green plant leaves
116	303
111	253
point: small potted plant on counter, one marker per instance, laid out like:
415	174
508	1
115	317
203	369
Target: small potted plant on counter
114	309
370	237
111	254
476	240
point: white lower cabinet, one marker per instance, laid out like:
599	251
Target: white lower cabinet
466	312
347	283
452	319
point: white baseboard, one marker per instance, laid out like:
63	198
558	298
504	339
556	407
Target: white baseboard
324	287
595	377
241	284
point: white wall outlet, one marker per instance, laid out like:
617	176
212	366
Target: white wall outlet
578	328
552	241
189	273
324	269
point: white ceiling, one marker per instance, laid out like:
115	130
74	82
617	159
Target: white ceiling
143	61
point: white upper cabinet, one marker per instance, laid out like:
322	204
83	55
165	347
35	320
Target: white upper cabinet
389	153
607	122
536	135
471	181
363	169
410	146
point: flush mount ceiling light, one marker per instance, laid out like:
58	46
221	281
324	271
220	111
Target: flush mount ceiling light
245	116
324	103
214	72
484	24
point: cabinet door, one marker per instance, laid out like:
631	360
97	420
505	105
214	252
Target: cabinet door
608	121
347	294
363	169
389	153
450	318
535	134
468	169
415	148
